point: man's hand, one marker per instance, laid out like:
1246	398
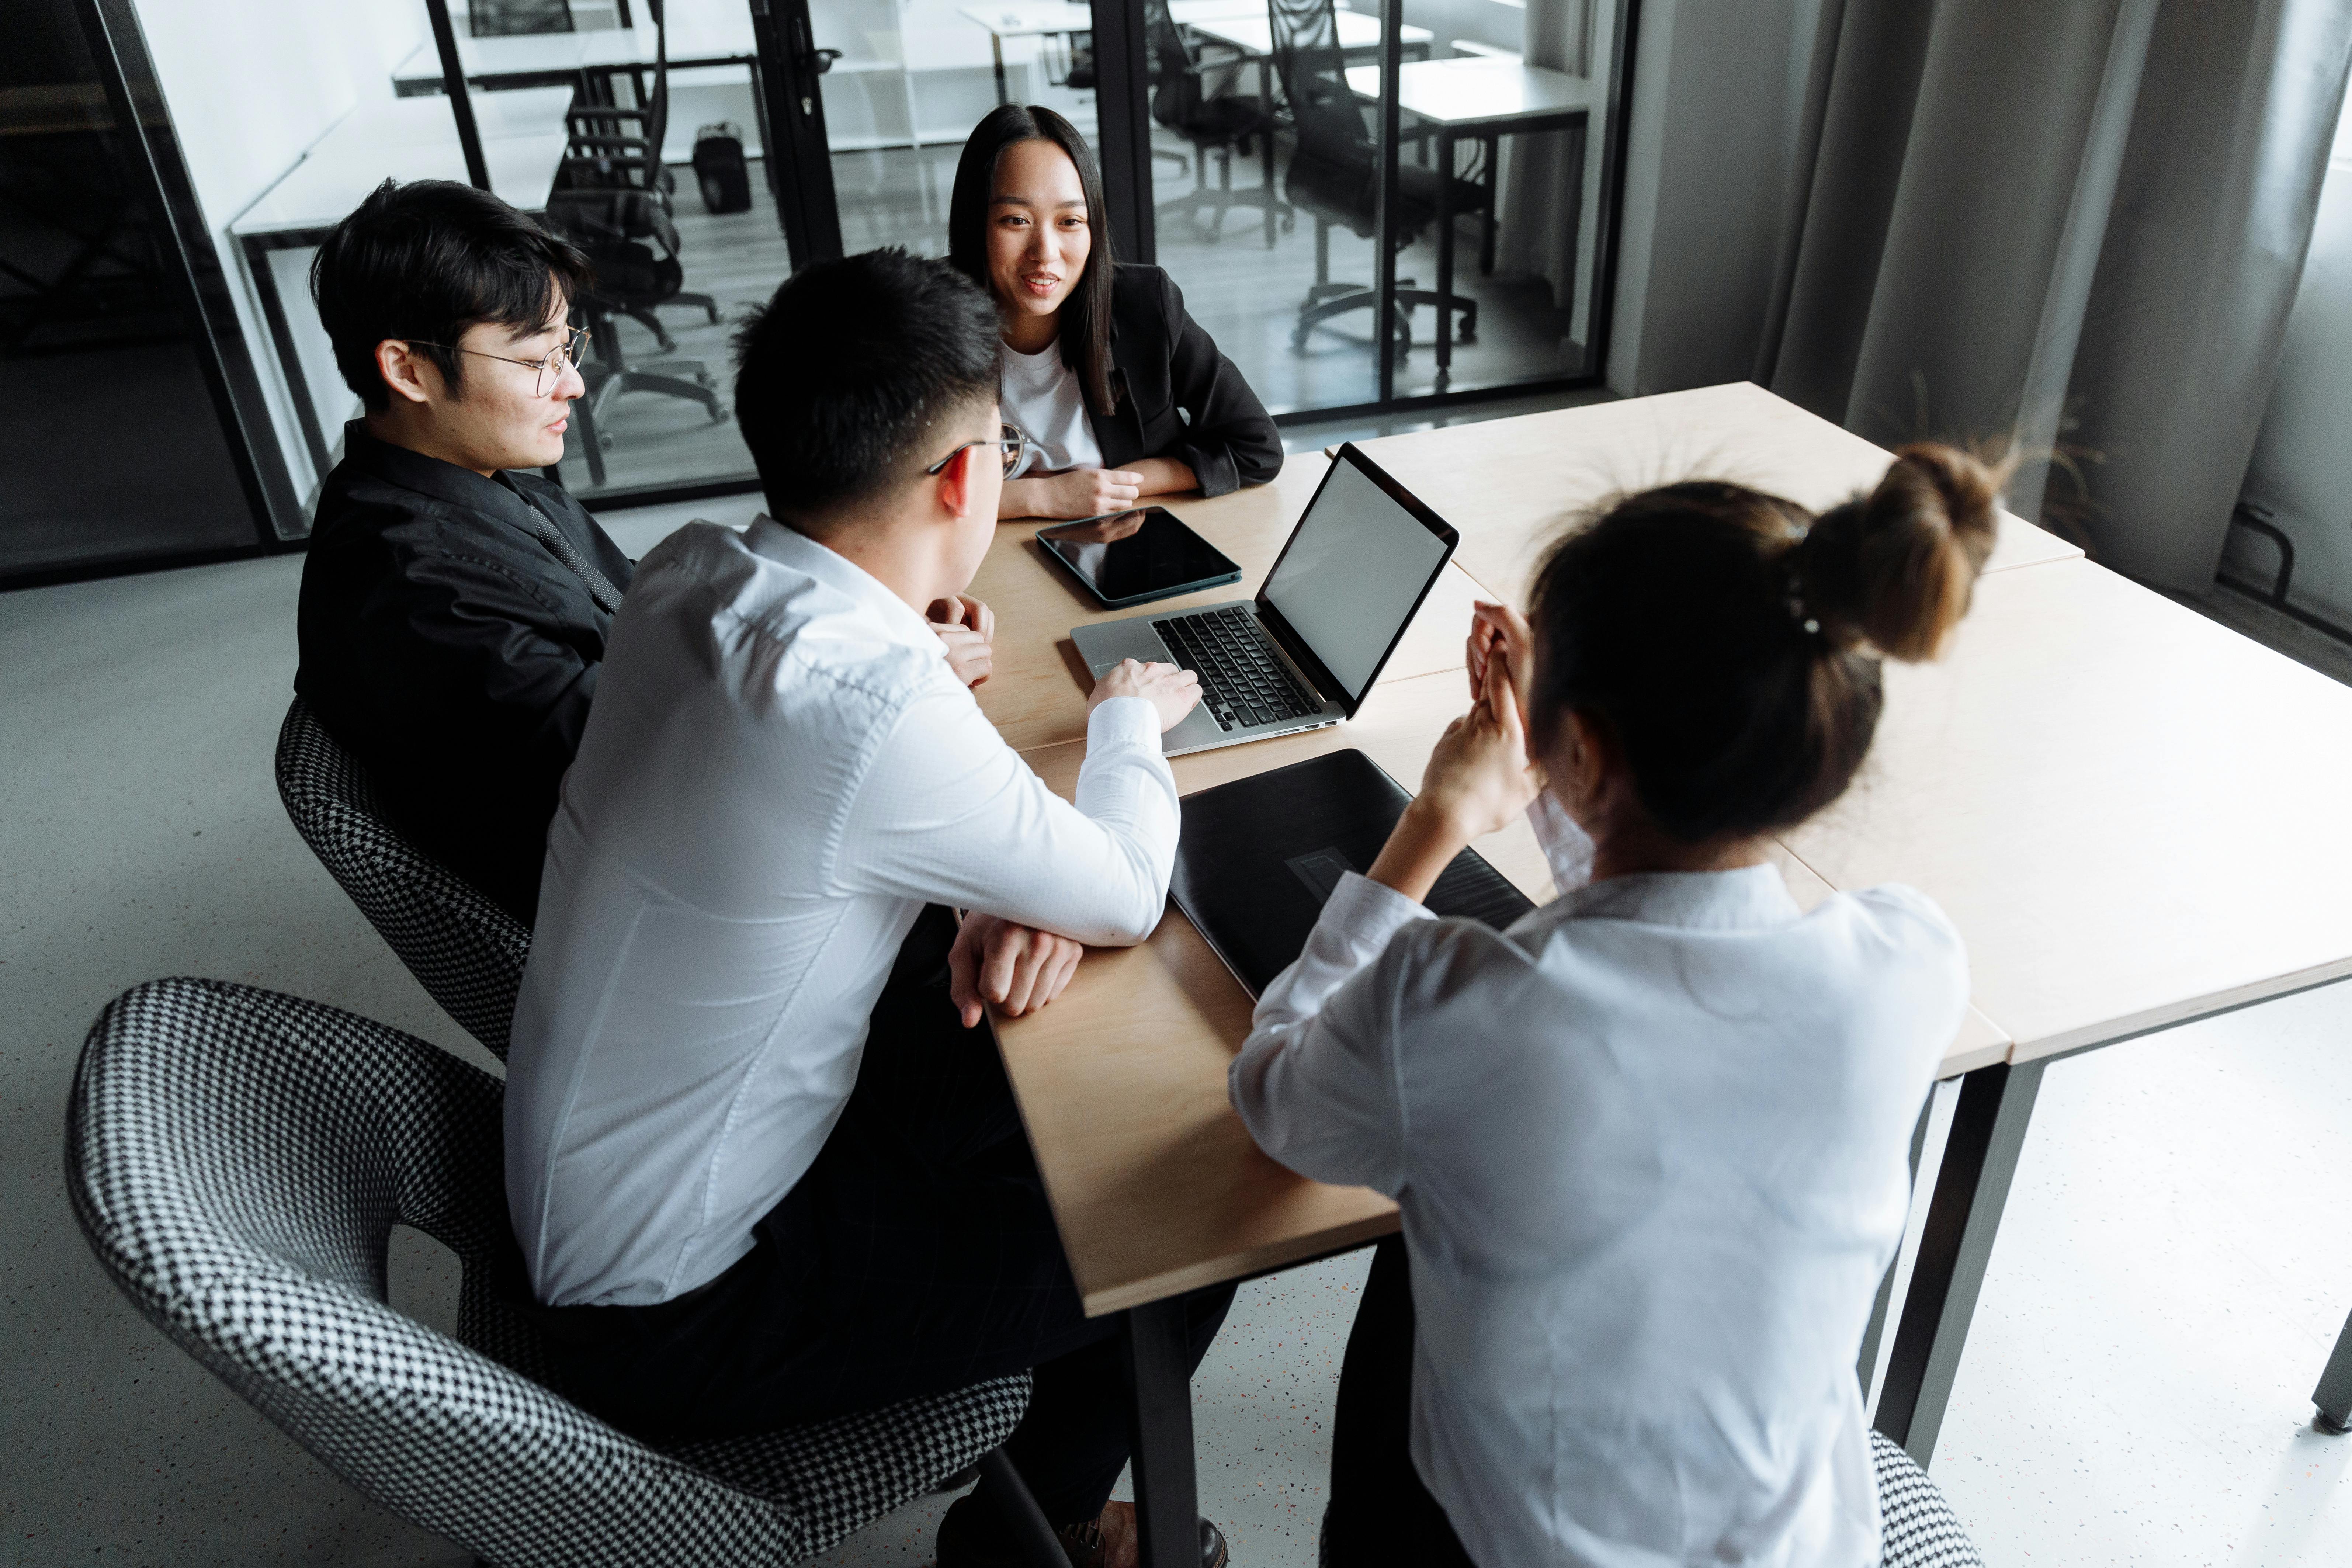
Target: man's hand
1170	689
969	628
1016	967
1073	492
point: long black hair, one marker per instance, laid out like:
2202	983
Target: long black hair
1085	314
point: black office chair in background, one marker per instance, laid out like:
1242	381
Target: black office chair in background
1335	172
506	19
613	199
1212	121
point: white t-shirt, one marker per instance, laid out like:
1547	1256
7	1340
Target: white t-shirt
1041	395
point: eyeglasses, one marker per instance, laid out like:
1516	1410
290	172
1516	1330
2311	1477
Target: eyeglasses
551	368
1009	445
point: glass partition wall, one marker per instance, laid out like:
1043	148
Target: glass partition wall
1281	158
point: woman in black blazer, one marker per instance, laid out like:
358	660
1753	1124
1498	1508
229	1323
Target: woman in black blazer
1120	390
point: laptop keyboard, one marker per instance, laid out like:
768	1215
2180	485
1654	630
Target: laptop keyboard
1242	683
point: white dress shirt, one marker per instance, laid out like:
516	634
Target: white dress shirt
1041	395
779	770
1652	1151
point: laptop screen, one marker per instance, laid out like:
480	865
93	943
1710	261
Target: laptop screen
1351	574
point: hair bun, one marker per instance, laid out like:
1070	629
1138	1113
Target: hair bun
1895	568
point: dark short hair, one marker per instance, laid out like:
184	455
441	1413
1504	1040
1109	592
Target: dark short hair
423	261
854	371
1728	641
1085	314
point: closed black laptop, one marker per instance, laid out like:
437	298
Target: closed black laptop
1259	857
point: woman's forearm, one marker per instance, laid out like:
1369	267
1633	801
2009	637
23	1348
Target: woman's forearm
1162	475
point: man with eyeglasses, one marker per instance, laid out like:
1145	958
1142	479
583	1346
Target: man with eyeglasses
455	605
761	1155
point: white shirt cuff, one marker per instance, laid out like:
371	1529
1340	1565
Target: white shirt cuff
1123	724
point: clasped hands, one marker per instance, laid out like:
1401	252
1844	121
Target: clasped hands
1479	778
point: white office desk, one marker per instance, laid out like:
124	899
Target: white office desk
523	142
1036	19
1253	35
1488	98
703	36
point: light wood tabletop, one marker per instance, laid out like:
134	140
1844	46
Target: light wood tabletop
1155	1185
1036	694
2132	812
1510	486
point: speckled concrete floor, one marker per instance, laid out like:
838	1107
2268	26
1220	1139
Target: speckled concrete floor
2172	1271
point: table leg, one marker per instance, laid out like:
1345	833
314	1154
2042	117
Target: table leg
1265	113
1866	1364
1980	1160
2334	1394
1494	199
1444	255
1167	1504
289	359
996	49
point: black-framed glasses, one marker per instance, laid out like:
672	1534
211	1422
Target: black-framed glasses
1009	444
551	368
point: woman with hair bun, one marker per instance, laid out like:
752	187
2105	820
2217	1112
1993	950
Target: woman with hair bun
1652	1143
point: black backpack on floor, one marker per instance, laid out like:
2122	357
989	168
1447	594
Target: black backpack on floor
719	165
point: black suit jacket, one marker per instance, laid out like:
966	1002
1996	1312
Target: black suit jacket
452	652
1178	396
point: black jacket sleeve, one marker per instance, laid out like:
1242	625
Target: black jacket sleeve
1186	400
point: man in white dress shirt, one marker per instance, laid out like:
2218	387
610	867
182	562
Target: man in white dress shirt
763	1166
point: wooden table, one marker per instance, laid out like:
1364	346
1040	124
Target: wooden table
2130	812
523	141
1486	98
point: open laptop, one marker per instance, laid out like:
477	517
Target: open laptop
1306	651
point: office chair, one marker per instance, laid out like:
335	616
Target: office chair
1917	1528
633	246
612	146
1335	172
464	950
504	18
236	1160
1079	76
2334	1394
1211	122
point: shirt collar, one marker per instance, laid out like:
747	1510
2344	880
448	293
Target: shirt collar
431	477
789	548
1749	897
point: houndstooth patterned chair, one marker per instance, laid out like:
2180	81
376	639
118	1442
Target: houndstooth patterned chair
238	1160
467	951
1916	1527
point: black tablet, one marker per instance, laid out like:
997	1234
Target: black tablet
1132	557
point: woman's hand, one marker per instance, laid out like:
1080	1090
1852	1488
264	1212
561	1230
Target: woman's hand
1477	782
1170	689
1494	627
1073	492
968	630
1015	967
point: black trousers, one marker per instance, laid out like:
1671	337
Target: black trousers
916	1257
1379	1510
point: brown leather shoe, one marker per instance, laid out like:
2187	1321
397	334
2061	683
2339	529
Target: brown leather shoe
971	1537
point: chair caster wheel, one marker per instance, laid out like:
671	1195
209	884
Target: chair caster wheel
604	442
719	417
1466	335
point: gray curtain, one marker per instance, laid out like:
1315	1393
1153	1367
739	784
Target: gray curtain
2080	224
